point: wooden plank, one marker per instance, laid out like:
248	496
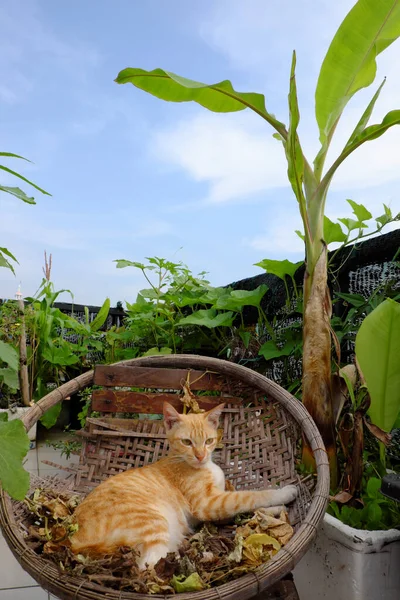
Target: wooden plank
151	377
140	402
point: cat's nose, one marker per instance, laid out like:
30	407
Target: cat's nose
200	457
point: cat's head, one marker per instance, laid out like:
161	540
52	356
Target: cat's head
193	437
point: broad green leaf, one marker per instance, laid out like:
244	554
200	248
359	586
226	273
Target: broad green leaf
385	218
294	153
237	299
122	263
350	63
14	444
375	131
356	300
59	355
269	350
49	419
352	224
378	352
370	133
10	378
9	355
363	122
373	487
374	513
218	97
101	316
360	211
18	193
280	268
156	351
208	318
3	168
333	232
182	584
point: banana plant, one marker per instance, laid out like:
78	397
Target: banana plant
349	65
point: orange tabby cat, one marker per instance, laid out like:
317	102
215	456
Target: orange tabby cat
152	508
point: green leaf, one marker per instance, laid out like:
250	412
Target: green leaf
12	155
370	133
101	316
352	224
9	355
208	318
354	299
269	350
245	336
294	153
14	444
333	232
386	217
280	268
350	63
59	355
363	122
218	97
18	193
300	234
8	253
182	584
373	487
237	299
156	351
3	168
374	512
360	211
10	378
49	419
378	352
122	263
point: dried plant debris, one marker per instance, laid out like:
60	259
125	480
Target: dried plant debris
213	555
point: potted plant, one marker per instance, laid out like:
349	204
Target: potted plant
360	537
14	442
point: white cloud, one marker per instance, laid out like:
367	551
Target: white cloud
279	239
228	152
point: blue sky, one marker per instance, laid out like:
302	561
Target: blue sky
131	176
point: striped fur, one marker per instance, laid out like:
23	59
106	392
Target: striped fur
154	507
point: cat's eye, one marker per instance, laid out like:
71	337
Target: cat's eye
186	442
209	441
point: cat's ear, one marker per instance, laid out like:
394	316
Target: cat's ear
214	414
171	416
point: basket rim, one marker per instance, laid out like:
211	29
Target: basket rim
249	584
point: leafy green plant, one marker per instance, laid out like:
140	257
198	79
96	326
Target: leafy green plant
181	312
349	65
14	445
14	442
374	511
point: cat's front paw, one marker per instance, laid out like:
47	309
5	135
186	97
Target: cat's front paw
287	494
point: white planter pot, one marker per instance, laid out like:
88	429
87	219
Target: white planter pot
18	413
344	563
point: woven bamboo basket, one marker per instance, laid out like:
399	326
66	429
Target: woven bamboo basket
263	426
